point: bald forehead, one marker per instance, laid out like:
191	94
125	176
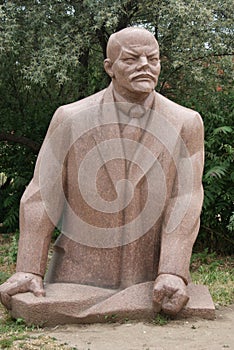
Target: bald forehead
129	38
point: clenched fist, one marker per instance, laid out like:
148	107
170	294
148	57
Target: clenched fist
20	282
169	294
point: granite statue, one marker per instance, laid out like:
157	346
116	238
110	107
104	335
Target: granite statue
120	172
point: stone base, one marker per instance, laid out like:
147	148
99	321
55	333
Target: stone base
73	303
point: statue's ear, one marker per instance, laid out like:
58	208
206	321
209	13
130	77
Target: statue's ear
108	67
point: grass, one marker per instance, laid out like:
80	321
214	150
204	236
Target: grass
14	334
161	320
217	274
214	271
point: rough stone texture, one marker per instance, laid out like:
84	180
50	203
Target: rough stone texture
72	303
62	304
121	170
200	303
169	153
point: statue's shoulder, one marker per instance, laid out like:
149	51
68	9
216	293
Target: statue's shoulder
77	109
84	103
185	120
173	110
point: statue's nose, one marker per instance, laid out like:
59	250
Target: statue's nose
143	63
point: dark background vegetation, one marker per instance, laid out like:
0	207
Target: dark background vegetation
51	53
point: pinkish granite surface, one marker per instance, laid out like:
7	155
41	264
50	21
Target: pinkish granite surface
73	303
121	171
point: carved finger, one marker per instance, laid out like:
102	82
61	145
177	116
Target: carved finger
36	287
5	300
175	303
19	287
12	288
161	291
158	295
9	288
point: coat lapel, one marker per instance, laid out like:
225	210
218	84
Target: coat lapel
149	147
108	139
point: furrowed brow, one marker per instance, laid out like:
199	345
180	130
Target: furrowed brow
130	52
135	53
153	53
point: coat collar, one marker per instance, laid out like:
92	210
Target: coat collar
108	129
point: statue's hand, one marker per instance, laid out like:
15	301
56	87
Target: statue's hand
169	294
20	282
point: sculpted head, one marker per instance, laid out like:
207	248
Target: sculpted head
133	62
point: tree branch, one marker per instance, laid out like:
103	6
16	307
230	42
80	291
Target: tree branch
217	233
21	140
189	61
102	38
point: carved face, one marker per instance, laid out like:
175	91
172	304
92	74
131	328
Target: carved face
137	66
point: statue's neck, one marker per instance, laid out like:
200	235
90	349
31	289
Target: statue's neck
146	100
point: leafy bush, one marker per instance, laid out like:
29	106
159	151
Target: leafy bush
217	214
52	54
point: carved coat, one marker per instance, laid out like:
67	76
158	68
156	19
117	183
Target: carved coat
168	186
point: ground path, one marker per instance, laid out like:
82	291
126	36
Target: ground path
190	334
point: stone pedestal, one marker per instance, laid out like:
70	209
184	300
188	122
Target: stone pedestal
74	303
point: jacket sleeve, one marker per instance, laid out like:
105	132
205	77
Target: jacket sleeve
182	215
37	220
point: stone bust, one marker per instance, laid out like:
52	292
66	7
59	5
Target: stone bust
129	190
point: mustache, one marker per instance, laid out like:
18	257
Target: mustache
142	75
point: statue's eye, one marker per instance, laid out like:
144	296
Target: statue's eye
129	60
153	59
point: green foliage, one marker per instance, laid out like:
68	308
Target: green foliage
230	226
203	257
111	318
6	343
4	276
8	255
13	250
14	334
217	273
8	325
218	180
161	320
51	53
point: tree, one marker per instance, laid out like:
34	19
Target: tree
51	53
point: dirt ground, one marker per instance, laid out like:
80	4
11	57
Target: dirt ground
190	334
